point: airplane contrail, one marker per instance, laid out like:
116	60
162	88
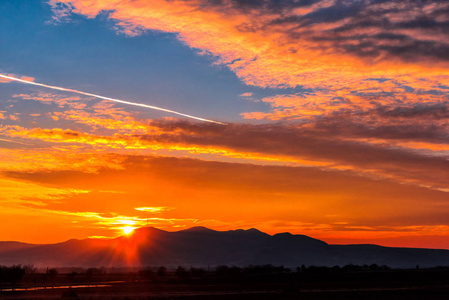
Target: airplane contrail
110	99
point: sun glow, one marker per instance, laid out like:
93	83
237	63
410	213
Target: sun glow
128	230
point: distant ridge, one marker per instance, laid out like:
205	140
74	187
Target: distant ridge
201	246
13	246
198	229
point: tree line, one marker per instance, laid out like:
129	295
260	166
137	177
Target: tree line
254	270
11	276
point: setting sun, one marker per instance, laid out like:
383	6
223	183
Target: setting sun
128	229
321	118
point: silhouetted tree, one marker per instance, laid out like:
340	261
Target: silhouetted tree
226	271
147	273
263	270
131	276
71	277
335	269
2	276
52	274
318	269
182	272
162	271
32	272
91	272
12	274
197	272
351	268
44	279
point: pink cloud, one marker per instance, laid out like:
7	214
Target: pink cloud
5	80
75	102
246	95
335	49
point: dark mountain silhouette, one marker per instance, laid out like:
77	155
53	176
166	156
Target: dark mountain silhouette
11	246
200	246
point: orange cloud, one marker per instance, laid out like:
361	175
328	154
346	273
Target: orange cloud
98	115
351	55
342	147
17	191
283	44
117	120
14	117
153	209
133	142
368	95
57	159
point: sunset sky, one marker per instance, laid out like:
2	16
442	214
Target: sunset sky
336	118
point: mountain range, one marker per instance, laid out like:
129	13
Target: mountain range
200	246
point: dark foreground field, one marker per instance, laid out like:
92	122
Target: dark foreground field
308	284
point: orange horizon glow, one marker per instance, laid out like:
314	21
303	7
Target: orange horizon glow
336	122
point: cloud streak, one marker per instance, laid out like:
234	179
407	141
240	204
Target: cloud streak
411	155
10	78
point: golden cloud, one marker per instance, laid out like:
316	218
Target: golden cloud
339	50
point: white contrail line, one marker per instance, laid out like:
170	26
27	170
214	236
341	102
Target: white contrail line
110	99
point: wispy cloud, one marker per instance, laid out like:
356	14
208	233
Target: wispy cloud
292	43
153	209
350	56
12	78
60	100
15	192
57	159
412	154
246	95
